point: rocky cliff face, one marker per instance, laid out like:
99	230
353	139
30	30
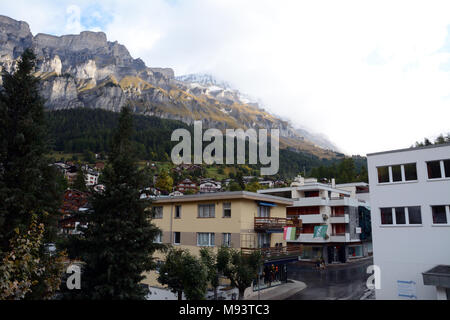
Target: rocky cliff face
88	71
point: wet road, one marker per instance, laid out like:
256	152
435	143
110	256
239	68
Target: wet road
346	282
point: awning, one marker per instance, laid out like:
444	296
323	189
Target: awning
266	204
439	276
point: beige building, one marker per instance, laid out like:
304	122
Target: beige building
241	220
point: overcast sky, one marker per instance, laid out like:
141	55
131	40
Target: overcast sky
372	76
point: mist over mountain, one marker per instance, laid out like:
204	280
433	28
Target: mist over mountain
88	71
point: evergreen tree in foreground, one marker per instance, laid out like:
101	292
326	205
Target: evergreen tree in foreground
28	185
119	241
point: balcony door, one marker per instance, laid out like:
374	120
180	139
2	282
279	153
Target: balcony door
263	212
263	240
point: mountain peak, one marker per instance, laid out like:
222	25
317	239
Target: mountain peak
85	40
204	79
88	71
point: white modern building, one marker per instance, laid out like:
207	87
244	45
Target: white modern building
334	208
410	198
92	178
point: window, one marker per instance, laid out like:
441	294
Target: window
177	212
227	210
383	174
205	239
157	212
311	194
176	237
226	240
434	169
414	215
447	168
158	238
399	173
439	214
386	216
206	211
400	217
396	173
410	172
263	212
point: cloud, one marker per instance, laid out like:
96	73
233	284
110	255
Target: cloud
73	20
370	75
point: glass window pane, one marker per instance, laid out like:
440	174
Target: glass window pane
414	215
400	216
434	169
383	174
396	173
227	210
439	216
447	168
410	172
201	239
386	216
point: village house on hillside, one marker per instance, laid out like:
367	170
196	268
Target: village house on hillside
187	185
210	186
73	203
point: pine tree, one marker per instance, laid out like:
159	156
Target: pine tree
27	183
119	240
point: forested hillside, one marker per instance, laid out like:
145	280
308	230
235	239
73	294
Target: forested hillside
81	130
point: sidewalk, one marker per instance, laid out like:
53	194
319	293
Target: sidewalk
281	292
350	262
335	264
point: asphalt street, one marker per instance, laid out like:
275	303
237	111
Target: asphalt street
337	282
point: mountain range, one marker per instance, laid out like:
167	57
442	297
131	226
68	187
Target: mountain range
88	71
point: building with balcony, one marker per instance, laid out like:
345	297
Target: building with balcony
187	186
410	198
242	220
333	209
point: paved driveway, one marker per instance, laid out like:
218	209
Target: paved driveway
346	281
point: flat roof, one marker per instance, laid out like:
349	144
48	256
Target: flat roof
305	187
410	149
224	196
352	184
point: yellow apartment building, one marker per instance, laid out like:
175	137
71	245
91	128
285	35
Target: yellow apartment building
241	220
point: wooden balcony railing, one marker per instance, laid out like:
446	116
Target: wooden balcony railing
266	223
276	252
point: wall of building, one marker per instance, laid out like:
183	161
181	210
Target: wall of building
404	252
243	212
